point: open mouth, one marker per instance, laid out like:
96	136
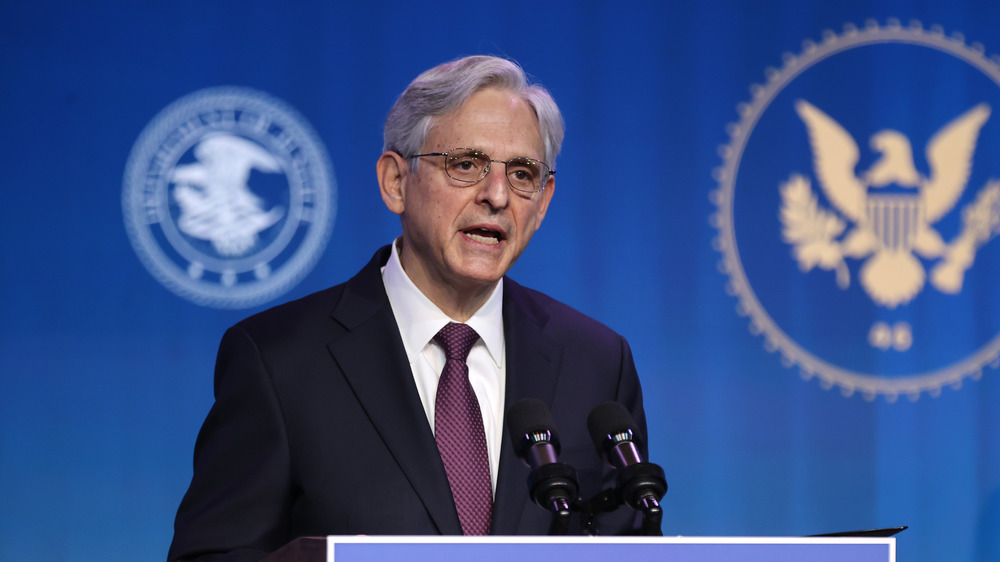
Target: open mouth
484	236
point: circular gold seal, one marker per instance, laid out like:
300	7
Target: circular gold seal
864	265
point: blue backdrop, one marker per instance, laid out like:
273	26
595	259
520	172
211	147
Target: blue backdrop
817	345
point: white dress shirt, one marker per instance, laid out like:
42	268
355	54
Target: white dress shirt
419	320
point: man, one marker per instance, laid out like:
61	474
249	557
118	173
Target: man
328	408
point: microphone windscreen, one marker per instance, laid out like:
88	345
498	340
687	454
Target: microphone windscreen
606	419
526	416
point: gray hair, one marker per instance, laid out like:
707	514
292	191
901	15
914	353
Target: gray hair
446	87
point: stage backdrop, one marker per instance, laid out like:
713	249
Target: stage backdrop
788	208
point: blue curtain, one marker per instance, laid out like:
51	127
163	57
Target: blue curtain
788	208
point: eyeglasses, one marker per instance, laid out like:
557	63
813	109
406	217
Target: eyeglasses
469	165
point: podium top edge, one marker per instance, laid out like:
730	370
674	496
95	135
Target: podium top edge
522	539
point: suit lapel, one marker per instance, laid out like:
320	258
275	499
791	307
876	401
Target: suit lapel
371	356
533	361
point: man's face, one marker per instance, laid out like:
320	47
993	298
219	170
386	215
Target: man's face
459	237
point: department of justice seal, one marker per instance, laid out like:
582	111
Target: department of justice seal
856	214
229	197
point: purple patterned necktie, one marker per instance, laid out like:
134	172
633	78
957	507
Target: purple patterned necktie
458	430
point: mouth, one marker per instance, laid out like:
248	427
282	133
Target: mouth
485	235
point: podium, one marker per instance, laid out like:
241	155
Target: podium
587	549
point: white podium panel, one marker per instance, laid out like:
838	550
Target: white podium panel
602	549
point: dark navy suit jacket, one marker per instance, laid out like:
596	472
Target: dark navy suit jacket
317	428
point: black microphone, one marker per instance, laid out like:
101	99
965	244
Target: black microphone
641	484
553	485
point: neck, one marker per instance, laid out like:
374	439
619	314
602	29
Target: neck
461	306
455	302
459	300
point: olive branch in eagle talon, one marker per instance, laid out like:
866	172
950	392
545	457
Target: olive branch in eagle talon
980	223
811	230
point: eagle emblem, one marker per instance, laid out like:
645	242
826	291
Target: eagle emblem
886	214
214	194
229	197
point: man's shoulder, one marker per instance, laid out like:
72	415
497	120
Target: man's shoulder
321	302
317	311
294	318
556	317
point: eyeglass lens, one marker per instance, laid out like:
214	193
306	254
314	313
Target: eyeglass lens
466	165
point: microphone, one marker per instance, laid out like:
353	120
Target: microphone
641	484
553	485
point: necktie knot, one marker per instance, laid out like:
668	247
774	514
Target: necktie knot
456	340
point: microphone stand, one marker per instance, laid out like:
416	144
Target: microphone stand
604	502
652	517
610	500
640	486
552	486
562	516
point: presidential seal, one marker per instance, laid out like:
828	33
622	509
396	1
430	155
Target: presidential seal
229	197
856	210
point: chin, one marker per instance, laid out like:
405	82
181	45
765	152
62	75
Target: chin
481	276
483	279
477	269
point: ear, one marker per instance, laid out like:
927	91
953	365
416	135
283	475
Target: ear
543	205
392	171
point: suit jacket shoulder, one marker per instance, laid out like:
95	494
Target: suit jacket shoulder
308	318
557	317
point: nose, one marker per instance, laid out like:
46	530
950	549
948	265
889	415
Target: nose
494	189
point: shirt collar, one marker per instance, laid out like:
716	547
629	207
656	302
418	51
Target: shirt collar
419	319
